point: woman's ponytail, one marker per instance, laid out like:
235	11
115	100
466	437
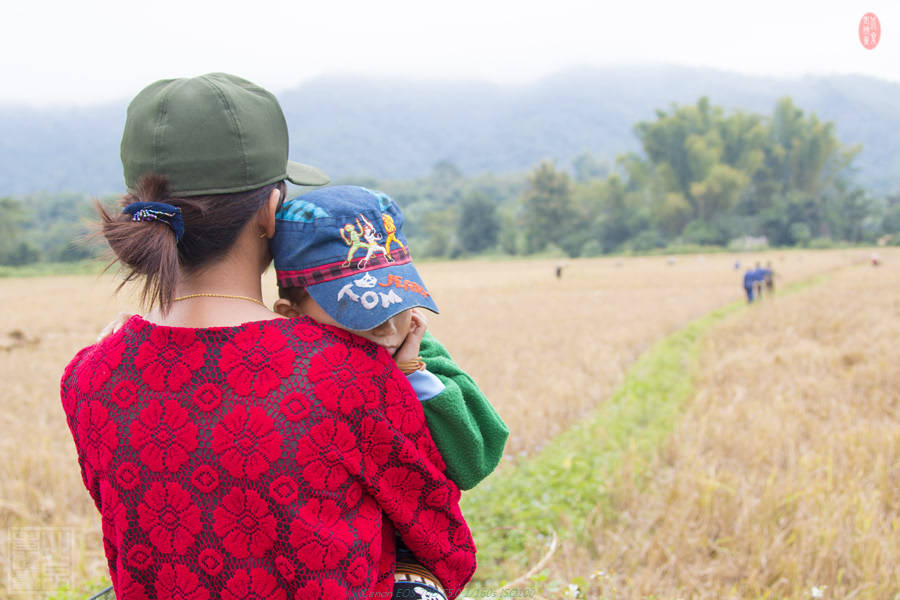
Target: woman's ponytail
158	234
144	238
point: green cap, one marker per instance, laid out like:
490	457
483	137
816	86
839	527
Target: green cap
212	134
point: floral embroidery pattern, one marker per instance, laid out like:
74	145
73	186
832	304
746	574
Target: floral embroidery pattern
255	362
169	517
358	571
322	539
208	397
98	365
456	562
211	562
398	410
375	445
284	489
285	568
306	331
205	478
326	590
100	434
164	436
169	358
125	393
179	582
295	407
402	487
129	588
341	378
212	483
244	523
114	520
326	452
431	532
140	557
426	447
255	585
69	400
246	442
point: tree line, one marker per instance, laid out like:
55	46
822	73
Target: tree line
703	178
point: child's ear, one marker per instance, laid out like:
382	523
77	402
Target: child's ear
285	308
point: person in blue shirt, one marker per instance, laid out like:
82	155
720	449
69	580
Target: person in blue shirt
754	279
750	283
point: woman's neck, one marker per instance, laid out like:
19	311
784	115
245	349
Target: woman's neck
225	293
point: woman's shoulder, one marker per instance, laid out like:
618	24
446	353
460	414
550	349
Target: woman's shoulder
253	359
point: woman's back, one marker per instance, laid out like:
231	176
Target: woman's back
269	458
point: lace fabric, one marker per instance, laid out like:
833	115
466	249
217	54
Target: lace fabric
273	460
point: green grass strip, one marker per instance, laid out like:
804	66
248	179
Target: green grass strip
566	485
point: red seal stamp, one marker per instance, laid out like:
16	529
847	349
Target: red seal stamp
869	30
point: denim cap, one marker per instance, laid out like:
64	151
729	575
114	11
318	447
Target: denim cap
345	246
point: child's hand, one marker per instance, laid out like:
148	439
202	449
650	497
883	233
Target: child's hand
114	325
409	350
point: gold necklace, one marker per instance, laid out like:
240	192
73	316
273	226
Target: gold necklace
209	295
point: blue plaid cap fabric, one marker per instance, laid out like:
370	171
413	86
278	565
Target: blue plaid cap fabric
344	244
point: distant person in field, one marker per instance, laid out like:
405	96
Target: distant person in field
378	297
769	278
750	284
232	452
759	277
754	280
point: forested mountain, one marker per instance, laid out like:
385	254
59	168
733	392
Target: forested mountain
399	129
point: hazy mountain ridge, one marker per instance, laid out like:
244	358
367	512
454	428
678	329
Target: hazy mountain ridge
399	129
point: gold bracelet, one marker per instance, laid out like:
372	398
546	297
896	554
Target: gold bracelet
408	367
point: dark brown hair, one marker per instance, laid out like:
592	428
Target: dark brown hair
148	249
294	295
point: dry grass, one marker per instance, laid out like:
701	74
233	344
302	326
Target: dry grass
546	351
784	475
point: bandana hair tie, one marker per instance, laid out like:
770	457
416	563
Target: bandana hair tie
157	211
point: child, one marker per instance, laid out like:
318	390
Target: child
341	259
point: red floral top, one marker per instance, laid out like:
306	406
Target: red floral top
270	461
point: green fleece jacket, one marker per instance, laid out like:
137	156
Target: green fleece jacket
465	427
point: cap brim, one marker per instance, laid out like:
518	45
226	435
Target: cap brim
364	307
301	174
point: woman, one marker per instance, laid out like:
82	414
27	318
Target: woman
232	453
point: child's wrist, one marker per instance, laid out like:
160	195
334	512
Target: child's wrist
408	367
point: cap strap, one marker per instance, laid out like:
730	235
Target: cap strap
157	211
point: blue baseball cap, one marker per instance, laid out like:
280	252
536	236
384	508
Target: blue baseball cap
344	245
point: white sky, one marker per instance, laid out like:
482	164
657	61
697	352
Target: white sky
55	52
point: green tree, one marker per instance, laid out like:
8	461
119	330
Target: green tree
548	211
12	217
891	222
438	227
478	225
587	167
510	236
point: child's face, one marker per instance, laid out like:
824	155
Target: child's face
389	334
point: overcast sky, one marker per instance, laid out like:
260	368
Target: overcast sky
63	52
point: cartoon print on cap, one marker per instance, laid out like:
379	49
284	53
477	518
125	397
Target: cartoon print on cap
364	237
391	230
369	298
